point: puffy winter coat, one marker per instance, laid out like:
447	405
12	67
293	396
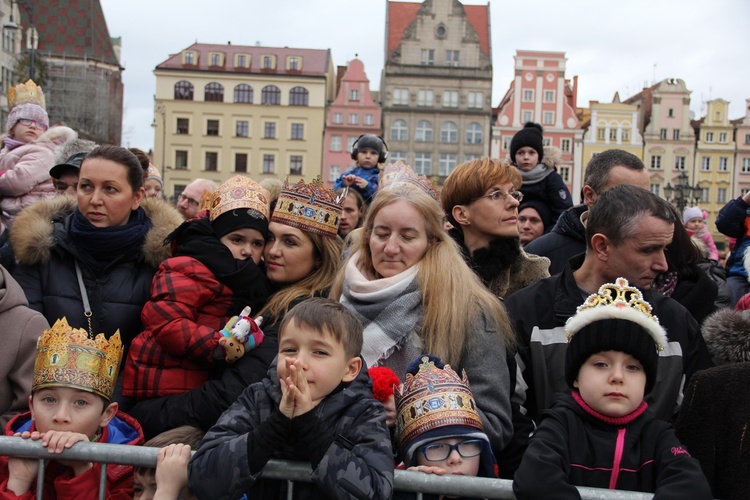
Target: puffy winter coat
566	239
44	248
60	484
24	171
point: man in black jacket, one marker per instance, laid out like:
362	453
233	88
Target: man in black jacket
568	238
626	234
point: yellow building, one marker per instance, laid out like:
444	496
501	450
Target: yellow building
714	159
226	109
612	125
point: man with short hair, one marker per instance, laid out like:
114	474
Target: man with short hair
189	199
627	230
568	238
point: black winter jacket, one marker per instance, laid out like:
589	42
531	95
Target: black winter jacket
566	239
574	448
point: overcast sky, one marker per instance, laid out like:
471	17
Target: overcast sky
611	46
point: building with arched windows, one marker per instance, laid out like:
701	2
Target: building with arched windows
227	109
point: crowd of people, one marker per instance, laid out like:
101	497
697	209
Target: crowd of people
490	328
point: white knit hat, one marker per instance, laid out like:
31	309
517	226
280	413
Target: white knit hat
691	213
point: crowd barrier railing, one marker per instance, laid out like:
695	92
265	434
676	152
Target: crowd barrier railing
292	472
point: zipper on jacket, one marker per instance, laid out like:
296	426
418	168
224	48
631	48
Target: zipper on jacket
619	445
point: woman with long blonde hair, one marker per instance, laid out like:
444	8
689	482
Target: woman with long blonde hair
409	285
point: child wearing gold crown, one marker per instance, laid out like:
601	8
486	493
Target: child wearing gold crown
601	435
74	377
440	431
214	274
28	151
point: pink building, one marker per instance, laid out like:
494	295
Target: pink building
353	113
742	140
540	93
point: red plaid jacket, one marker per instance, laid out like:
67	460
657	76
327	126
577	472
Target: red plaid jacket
173	354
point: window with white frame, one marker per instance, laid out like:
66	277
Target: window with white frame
655	188
679	163
353	119
451	58
746	165
676	134
335	143
189	57
448	132
656	162
428	57
723	163
747	138
423	132
334	172
350	140
268	62
723	137
424	97
565	145
298	132
474	134
528	116
399	131
601	133
549	96
450	98
295	165
663	134
369	119
546	141
242	128
423	163
400	97
338	118
548	118
613	135
709	137
721	195
705	163
475	100
354	95
705	195
269	163
625	135
241	61
565	174
294	63
448	163
506	143
394	156
215	59
528	95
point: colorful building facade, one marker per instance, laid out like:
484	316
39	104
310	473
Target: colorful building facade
742	158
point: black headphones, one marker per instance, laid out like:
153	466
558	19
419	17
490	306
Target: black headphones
383	150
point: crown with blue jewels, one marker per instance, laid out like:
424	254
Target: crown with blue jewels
309	207
70	357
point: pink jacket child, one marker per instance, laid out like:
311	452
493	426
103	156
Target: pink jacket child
695	223
28	151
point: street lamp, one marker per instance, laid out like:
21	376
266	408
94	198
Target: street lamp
682	193
161	109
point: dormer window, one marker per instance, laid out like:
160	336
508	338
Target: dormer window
216	59
269	62
241	61
294	63
188	58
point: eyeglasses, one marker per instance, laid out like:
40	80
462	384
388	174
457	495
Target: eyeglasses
28	122
499	195
190	201
441	451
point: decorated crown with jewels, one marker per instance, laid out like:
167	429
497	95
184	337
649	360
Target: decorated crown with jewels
433	398
69	357
239	192
400	174
26	93
618	300
309	207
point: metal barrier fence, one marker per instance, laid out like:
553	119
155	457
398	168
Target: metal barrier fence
283	470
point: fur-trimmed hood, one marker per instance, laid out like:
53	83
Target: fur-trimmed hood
727	335
58	135
33	236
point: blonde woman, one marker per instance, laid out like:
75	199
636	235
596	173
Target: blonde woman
409	285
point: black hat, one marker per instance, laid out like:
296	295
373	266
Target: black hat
530	135
542	209
614	319
73	162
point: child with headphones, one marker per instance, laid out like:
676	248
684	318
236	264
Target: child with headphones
368	151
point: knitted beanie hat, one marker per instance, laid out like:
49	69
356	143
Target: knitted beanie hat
542	209
529	136
691	213
153	173
29	112
614	319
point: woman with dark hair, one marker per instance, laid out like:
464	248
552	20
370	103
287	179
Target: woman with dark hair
301	257
92	259
687	280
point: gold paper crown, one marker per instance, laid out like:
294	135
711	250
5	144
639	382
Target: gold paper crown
618	300
239	192
152	171
434	398
309	207
26	93
68	357
399	174
204	203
